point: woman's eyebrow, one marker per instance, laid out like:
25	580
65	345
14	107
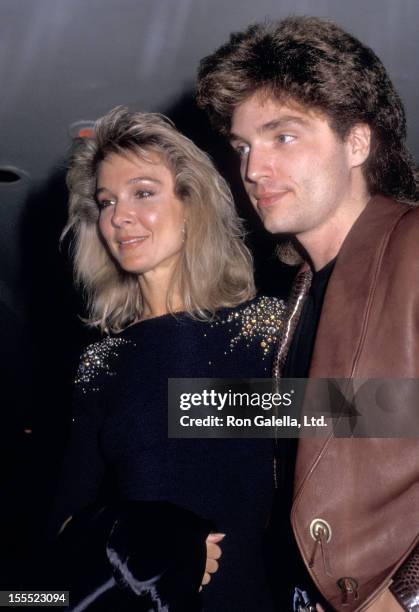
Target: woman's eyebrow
138	179
132	181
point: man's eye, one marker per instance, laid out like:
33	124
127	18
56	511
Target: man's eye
144	193
285	138
242	150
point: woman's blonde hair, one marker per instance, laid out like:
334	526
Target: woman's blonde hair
215	268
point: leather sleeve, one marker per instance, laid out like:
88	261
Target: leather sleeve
405	585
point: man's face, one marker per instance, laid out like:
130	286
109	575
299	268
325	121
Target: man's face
296	170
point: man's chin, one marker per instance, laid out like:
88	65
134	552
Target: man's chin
284	224
273	226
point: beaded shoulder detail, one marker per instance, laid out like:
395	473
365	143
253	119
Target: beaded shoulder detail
259	321
256	324
95	362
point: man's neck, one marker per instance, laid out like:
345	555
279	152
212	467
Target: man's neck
324	242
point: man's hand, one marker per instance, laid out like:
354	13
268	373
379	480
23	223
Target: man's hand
213	553
385	603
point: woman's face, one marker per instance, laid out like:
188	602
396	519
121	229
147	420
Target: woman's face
141	219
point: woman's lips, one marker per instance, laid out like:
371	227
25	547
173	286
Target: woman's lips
129	243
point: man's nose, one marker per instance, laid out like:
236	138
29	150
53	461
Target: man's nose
123	213
258	165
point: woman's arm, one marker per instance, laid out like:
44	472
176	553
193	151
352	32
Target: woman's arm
83	467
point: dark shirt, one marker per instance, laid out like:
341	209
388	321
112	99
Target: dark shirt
120	433
299	356
292	569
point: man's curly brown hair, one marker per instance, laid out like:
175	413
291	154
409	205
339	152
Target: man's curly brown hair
317	64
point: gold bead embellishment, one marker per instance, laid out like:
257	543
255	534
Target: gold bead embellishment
262	321
94	362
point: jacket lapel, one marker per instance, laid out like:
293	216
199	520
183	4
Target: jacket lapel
350	291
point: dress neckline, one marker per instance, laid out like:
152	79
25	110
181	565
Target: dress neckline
168	315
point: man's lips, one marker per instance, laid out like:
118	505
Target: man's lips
268	199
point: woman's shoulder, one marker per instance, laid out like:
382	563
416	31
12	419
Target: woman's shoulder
258	314
258	321
262	306
98	362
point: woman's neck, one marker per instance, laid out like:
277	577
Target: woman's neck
155	295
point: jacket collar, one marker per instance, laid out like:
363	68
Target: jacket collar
351	288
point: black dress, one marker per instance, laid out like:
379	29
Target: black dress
119	435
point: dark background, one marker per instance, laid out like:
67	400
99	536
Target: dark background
65	61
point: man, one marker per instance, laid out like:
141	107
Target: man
320	133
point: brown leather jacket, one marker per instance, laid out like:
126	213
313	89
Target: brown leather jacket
365	489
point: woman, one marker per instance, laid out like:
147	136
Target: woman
158	251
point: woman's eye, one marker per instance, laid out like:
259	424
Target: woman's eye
104	203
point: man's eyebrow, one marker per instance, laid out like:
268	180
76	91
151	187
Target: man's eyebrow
133	181
232	137
280	122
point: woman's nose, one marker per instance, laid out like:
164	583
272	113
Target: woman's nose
123	213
